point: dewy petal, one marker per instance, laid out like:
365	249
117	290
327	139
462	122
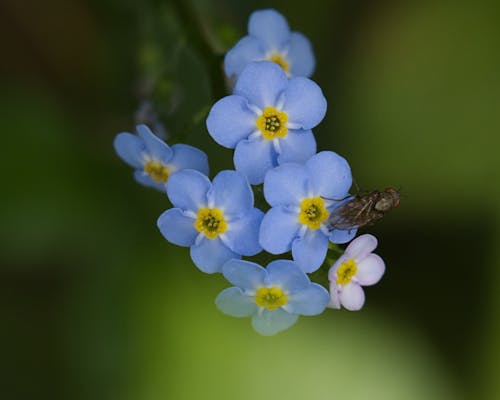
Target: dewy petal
297	146
339	236
278	229
177	228
254	158
270	322
304	103
287	275
309	301
186	156
261	83
330	175
244	274
231	193
232	301
362	246
130	148
301	55
242	236
286	185
352	297
370	270
247	50
187	189
309	251
230	120
269	26
156	147
209	255
144	179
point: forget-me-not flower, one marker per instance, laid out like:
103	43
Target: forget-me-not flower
154	160
357	267
269	38
216	219
274	296
302	198
268	119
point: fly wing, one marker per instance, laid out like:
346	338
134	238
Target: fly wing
353	214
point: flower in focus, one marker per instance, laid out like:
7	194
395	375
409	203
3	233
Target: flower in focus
302	197
216	220
357	267
269	38
274	296
154	160
267	120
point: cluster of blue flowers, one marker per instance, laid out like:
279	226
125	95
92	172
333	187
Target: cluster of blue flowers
268	121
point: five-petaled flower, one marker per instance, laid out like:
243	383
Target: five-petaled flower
269	38
154	161
268	119
274	296
216	220
302	197
357	267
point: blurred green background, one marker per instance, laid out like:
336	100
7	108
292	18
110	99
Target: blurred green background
95	304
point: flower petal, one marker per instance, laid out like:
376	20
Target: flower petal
248	49
269	26
243	234
209	255
130	149
301	55
287	274
270	322
156	147
362	246
278	229
286	185
231	193
304	103
370	270
334	297
177	227
232	301
339	236
187	189
230	120
309	301
297	146
352	297
145	180
244	274
261	83
330	175
254	158
186	156
309	251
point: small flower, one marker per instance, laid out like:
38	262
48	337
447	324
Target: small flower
268	119
274	296
302	197
216	220
269	38
154	160
357	267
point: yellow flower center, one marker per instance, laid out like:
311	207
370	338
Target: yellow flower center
271	298
346	271
313	212
157	171
281	61
272	123
211	222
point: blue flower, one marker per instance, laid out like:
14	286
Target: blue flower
274	296
268	119
302	198
154	161
269	38
216	220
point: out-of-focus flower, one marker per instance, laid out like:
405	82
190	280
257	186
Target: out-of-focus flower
357	267
274	296
154	160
